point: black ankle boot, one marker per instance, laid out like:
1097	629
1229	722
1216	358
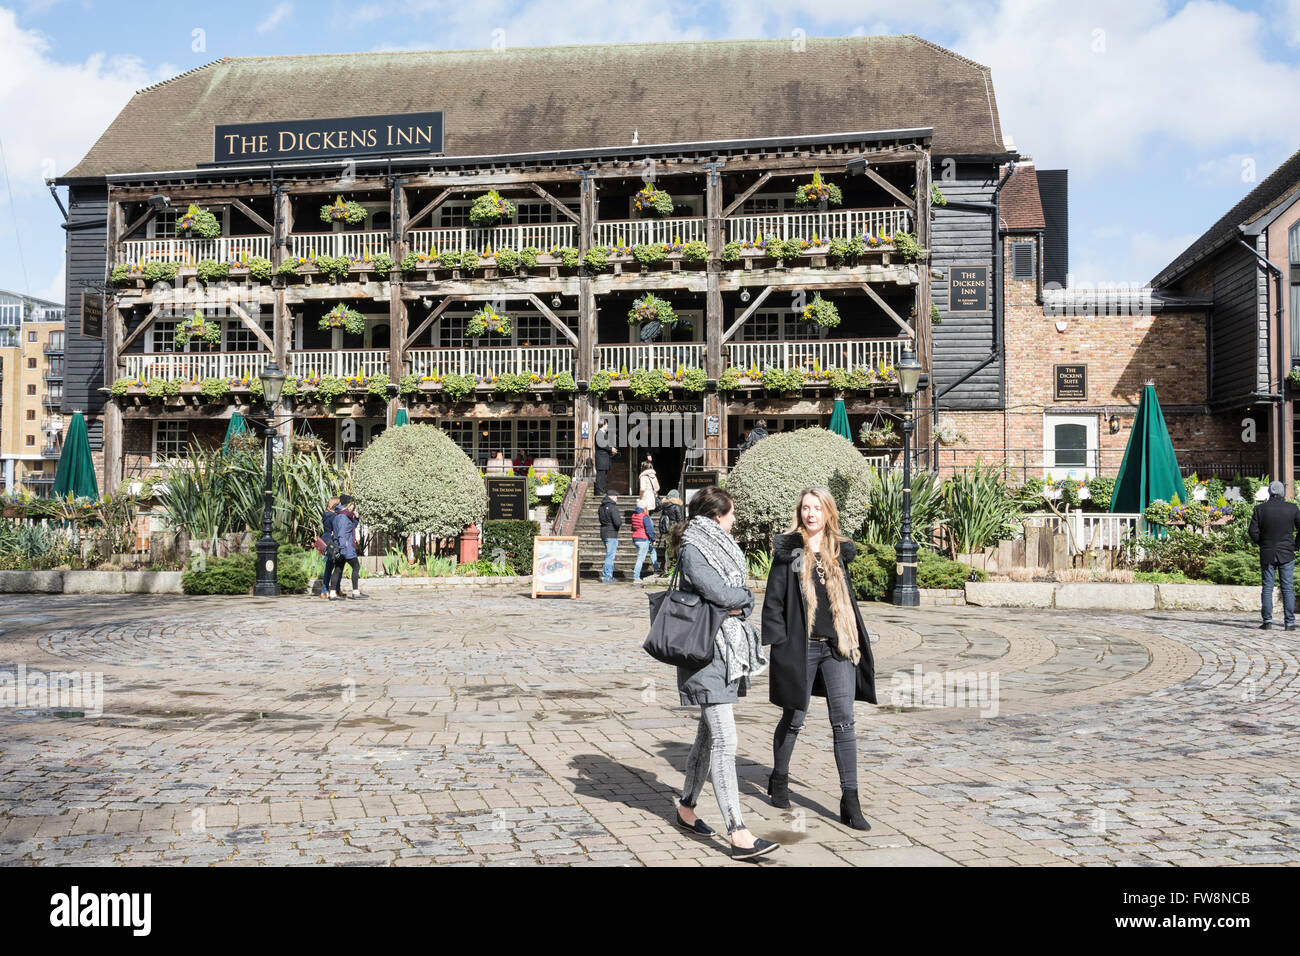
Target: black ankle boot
778	788
851	812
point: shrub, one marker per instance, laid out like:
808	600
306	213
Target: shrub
507	260
296	568
596	259
160	272
1100	491
415	479
979	509
259	267
490	208
909	250
528	256
697	250
233	575
210	269
334	267
197	221
1235	567
456	386
768	477
933	570
884	519
510	541
648	253
871	572
383	264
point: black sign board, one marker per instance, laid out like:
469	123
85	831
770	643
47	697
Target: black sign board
968	288
325	138
507	497
693	481
92	315
1070	383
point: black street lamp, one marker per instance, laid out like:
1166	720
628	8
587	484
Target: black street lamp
268	552
905	590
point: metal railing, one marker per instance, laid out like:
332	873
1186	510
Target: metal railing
190	251
341	363
633	232
492	361
541	236
840	224
845	354
195	365
1020	464
665	355
350	245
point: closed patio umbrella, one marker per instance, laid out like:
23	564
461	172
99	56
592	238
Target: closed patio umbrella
840	420
401	418
1149	471
76	472
237	425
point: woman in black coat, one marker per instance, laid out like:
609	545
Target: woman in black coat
825	651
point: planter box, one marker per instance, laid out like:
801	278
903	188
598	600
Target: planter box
1106	597
31	582
1214	597
1009	594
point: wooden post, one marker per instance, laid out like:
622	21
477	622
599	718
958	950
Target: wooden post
113	335
396	305
924	336
713	296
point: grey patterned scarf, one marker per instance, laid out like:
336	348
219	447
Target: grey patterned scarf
737	641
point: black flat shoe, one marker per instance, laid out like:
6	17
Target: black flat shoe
760	848
698	827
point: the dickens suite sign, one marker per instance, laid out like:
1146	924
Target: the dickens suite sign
324	138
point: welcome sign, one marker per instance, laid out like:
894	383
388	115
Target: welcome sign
327	138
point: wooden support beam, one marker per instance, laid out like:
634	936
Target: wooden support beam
430	319
148	214
113	431
553	319
441	198
890	188
556	203
247	211
875	297
253	327
735	203
753	306
148	320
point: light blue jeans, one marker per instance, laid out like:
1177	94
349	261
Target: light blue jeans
642	548
1286	573
714	755
607	573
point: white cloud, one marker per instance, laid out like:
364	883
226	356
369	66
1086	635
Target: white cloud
277	16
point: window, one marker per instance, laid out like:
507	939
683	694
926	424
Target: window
31	363
240	338
453	215
1069	446
462	433
534	210
769	203
162	336
56	340
170	440
31	389
776	325
564	441
534	329
31	414
496	436
31	440
1022	261
451	331
31	336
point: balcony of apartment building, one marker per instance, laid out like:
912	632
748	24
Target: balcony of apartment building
53	397
54	345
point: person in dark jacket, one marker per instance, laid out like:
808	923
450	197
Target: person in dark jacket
756	435
820	644
1273	526
331	549
345	526
610	522
604	453
672	512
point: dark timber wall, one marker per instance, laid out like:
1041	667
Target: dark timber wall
86	259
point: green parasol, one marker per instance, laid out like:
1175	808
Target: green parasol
1149	471
401	418
236	426
76	472
840	420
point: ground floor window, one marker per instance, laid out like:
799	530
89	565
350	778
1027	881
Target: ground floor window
521	440
1069	446
170	440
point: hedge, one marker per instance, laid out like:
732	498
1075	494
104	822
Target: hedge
873	572
511	540
237	573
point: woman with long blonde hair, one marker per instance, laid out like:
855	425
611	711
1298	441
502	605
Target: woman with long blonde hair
819	644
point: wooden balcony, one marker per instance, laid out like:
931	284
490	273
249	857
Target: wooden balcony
633	232
195	365
847	354
485	362
343	245
838	224
541	236
341	363
663	355
185	252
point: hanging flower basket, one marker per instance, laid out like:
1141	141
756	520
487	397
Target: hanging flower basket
821	312
198	222
490	208
817	192
196	327
651	308
650	201
488	319
343	211
883	436
341	317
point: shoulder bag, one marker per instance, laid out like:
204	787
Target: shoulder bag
682	626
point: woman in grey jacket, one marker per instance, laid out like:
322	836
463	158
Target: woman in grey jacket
713	566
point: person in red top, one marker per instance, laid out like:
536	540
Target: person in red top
643	536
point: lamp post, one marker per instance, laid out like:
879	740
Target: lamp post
905	590
267	550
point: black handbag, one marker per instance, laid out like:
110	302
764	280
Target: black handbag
682	626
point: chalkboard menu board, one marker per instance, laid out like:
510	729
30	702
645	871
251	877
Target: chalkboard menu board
968	288
694	481
507	498
1070	383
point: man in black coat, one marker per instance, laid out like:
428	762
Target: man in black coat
610	522
1273	526
756	435
604	453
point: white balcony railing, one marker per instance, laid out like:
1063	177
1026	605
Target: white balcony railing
541	236
492	361
665	355
196	365
351	245
1094	531
633	232
342	363
190	251
840	224
847	354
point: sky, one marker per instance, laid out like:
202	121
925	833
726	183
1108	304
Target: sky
1165	114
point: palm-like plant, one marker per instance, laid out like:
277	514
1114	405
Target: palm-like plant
884	524
979	507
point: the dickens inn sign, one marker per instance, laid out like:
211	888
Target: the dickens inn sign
325	138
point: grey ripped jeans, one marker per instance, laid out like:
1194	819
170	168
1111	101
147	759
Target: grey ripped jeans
841	678
714	751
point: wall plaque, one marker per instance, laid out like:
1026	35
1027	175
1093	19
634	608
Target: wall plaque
325	138
1070	383
968	288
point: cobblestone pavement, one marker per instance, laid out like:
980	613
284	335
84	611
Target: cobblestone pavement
492	729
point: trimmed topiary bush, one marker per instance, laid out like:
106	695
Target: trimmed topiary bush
768	477
232	575
874	572
1235	567
511	541
415	479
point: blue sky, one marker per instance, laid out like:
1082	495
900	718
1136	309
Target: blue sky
1164	113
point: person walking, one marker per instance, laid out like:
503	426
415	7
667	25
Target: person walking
648	496
1273	526
643	536
712	566
610	522
331	550
756	435
345	527
819	644
671	512
604	455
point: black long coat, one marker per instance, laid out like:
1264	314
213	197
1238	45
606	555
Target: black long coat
1273	526
785	629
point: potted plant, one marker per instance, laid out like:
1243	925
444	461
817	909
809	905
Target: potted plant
490	208
818	193
650	201
341	210
196	327
198	222
342	317
487	319
821	312
883	436
655	314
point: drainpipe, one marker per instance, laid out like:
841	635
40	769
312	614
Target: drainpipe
1278	397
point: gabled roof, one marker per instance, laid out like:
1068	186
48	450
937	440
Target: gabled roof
539	98
1276	189
1019	202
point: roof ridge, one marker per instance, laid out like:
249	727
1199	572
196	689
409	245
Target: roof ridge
173	79
944	49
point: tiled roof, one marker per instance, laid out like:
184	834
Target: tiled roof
543	98
1019	202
